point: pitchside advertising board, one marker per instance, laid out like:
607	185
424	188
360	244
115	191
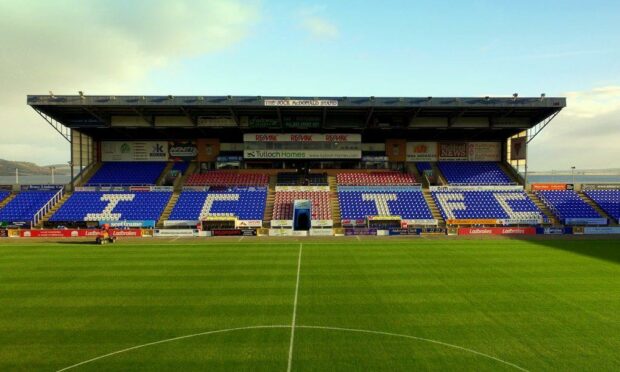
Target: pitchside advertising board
76	233
497	231
454	151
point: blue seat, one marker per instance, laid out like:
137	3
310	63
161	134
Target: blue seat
244	204
129	206
25	205
4	195
359	203
566	204
128	173
607	200
492	204
473	173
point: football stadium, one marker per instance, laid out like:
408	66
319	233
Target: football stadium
306	233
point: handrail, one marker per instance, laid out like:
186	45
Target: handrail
46	208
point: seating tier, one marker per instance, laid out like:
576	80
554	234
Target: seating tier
225	179
243	204
566	204
283	206
113	206
473	173
359	204
607	200
128	173
480	205
25	205
375	179
4	195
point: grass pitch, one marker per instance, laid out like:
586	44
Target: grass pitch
361	305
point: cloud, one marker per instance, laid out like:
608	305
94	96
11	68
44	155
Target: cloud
101	48
585	134
317	25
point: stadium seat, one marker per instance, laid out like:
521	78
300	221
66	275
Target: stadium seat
424	166
295	179
607	200
25	205
245	204
283	206
127	173
226	179
500	204
566	204
180	167
473	173
360	203
375	179
4	195
113	206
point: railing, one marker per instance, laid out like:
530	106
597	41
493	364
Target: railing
46	208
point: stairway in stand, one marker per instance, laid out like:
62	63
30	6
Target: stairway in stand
53	210
511	173
168	210
7	200
88	175
598	209
271	199
434	208
162	176
553	220
333	200
179	182
441	180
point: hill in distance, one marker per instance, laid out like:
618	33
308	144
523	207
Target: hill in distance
7	167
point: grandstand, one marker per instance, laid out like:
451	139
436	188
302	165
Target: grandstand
570	208
342	163
608	201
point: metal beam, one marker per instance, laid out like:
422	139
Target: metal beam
280	119
189	116
95	115
234	116
141	115
369	116
453	118
58	126
533	132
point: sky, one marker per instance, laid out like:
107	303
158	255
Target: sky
318	48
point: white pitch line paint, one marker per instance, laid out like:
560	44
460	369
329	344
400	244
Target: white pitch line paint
293	325
367	331
169	340
417	339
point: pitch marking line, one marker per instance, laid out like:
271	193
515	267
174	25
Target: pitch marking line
367	331
290	348
169	340
417	339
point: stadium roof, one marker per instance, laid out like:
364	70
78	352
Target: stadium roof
436	118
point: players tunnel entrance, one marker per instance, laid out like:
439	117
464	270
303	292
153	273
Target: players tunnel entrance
302	216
